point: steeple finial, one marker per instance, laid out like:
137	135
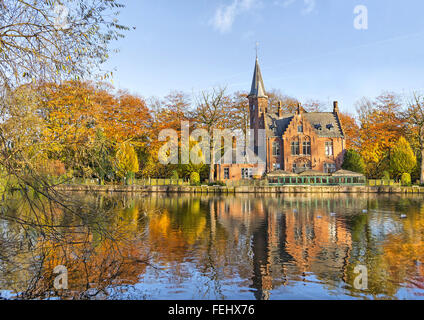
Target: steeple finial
257	48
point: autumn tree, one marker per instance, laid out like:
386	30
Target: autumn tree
314	106
167	113
288	103
351	131
414	116
402	158
381	125
40	44
213	111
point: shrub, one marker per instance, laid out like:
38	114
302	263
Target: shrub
194	179
386	175
406	179
217	183
174	175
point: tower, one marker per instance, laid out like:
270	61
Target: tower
258	103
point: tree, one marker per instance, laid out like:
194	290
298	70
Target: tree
213	111
381	125
414	116
351	131
126	161
402	159
288	103
39	42
100	156
314	106
353	161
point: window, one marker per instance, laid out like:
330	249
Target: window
246	173
329	167
329	148
276	166
226	173
300	128
307	148
275	148
294	168
295	148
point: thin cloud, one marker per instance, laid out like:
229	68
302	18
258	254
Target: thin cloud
225	16
308	5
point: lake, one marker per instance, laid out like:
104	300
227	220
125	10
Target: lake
215	247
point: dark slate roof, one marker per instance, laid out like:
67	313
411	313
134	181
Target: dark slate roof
325	124
277	126
258	88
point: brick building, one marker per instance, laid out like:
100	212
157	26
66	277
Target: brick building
294	142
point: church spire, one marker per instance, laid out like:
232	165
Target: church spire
258	88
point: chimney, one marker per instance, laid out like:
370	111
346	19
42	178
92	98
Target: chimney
280	109
299	108
336	107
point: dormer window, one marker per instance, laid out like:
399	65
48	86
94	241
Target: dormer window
330	126
318	127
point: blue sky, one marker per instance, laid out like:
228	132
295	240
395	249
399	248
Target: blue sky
308	49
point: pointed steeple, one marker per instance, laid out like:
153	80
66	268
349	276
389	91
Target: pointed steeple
258	88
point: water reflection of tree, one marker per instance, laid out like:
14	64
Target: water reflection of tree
101	247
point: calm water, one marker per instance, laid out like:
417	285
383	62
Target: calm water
229	247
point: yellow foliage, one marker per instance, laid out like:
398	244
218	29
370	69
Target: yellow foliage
127	160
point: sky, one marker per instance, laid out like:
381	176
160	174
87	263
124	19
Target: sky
308	49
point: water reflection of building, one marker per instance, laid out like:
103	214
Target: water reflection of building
301	236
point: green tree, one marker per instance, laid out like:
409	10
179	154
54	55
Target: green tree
353	161
100	156
402	159
406	179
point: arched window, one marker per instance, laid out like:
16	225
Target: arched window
295	148
306	150
276	148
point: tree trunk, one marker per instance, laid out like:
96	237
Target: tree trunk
212	158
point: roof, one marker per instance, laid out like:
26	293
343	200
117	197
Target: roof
345	173
312	173
258	88
325	124
280	173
